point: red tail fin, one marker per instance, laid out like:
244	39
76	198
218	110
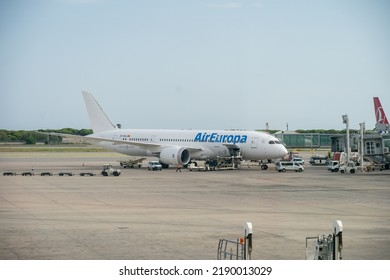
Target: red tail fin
379	112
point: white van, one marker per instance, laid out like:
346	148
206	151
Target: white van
298	160
283	166
154	165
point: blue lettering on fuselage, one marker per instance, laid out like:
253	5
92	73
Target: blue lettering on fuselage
220	138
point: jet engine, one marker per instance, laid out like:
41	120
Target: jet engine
175	155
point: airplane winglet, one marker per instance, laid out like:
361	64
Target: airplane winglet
99	120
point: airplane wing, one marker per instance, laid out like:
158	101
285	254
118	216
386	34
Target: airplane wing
70	136
100	139
114	141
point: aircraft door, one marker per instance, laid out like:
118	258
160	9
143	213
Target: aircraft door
254	142
153	138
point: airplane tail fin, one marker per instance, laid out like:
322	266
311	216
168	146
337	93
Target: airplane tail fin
379	112
99	120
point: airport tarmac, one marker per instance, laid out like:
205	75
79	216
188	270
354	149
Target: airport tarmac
182	215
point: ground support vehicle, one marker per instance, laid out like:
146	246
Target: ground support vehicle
319	160
108	170
224	163
132	163
193	166
283	166
87	174
65	173
334	166
251	164
380	162
154	165
298	160
350	167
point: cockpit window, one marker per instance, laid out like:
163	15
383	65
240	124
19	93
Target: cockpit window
274	142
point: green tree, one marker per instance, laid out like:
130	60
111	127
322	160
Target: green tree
31	140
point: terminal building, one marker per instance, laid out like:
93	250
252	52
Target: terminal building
372	146
376	144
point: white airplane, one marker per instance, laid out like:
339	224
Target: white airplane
178	147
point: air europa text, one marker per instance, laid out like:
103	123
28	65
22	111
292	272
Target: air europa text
220	138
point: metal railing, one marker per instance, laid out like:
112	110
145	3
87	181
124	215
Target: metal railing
231	250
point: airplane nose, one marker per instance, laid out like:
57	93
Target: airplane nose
283	151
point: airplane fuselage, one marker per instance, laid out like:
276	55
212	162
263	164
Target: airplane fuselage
202	144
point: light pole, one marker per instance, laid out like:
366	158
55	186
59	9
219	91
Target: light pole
346	121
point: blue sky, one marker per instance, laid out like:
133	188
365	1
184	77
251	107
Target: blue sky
209	64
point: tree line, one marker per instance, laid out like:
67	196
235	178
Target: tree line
33	137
